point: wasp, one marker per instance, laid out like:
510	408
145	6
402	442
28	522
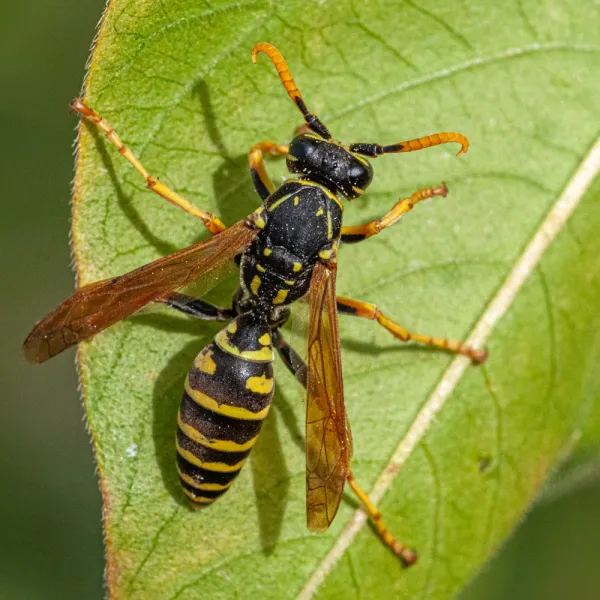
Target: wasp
286	250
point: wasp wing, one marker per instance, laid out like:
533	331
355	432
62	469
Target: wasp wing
328	440
96	306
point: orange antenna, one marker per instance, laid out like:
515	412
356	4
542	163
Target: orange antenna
312	121
445	137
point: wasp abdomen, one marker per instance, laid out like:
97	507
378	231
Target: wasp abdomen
227	395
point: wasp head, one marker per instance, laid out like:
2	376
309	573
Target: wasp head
330	163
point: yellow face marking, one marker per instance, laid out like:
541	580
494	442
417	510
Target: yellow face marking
281	296
209	466
223	445
260	268
263	355
329	226
296	201
255	284
204	361
297	267
289	282
198	499
319	212
267	251
213	487
235	412
358	190
264	339
259	385
232	327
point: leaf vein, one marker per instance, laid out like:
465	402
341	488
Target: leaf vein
479	61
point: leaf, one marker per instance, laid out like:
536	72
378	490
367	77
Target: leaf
175	80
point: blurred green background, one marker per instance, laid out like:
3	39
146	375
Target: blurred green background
51	536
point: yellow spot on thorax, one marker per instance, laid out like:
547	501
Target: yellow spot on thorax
264	339
259	385
297	267
267	251
255	284
296	201
319	212
260	268
281	296
232	327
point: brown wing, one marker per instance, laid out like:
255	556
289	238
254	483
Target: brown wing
98	305
328	441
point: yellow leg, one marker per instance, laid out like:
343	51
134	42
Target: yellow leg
358	233
263	184
211	222
370	311
409	557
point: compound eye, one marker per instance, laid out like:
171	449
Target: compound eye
360	175
357	173
301	148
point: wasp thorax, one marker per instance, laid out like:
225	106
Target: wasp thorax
330	163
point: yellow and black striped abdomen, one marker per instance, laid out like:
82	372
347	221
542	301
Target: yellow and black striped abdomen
227	395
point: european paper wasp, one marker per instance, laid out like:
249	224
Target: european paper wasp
286	249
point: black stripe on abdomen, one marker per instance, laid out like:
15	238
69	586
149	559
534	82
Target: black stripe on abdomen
217	427
221	413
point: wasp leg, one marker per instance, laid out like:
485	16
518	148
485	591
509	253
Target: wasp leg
358	233
290	358
347	306
211	222
198	308
298	368
262	183
409	557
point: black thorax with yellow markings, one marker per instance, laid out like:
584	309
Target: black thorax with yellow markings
300	223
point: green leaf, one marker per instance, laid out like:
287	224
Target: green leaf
176	81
